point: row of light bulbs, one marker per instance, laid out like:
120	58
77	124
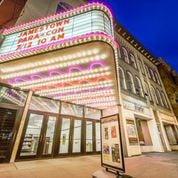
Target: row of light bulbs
76	88
62	78
52	60
107	92
55	17
54	66
54	83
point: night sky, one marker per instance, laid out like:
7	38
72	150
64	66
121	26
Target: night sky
153	22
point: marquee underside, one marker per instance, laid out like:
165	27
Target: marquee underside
83	74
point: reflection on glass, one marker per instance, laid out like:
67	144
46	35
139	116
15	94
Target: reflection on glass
49	135
64	139
77	137
12	96
89	136
98	138
31	140
44	104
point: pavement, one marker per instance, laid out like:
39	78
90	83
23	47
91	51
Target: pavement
150	165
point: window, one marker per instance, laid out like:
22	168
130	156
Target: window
147	70
148	92
63	6
133	60
122	78
160	102
164	99
130	82
138	87
125	54
154	95
152	75
157	77
141	66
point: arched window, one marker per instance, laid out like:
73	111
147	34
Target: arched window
62	7
147	90
130	82
160	102
138	86
133	60
164	99
122	78
125	54
153	91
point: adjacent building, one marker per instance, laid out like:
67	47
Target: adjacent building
60	74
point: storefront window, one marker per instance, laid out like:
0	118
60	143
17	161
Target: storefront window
72	110
12	96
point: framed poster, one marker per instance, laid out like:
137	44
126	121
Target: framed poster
111	144
131	132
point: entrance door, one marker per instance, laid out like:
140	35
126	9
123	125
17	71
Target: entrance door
7	123
70	136
39	136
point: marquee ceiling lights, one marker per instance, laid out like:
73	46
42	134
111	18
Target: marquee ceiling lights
53	66
89	94
76	88
64	78
52	60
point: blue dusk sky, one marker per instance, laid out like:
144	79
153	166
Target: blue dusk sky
152	22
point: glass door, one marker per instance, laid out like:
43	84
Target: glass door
76	141
70	136
48	140
32	136
39	134
65	136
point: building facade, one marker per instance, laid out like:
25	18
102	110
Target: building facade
170	81
60	74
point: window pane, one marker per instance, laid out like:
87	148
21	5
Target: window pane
89	136
32	135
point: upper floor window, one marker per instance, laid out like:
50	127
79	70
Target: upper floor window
147	70
125	54
133	60
148	91
138	87
164	99
130	82
157	77
141	66
160	101
152	74
153	91
122	78
63	6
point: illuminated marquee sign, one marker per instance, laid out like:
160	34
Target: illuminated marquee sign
92	21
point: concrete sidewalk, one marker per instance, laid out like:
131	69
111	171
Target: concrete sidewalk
152	165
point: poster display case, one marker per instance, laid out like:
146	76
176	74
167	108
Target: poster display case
111	143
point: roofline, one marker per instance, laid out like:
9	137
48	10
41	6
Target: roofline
135	43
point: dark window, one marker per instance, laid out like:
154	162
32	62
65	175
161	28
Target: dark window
133	60
130	83
138	87
63	6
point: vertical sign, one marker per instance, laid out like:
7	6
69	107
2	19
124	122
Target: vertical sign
111	144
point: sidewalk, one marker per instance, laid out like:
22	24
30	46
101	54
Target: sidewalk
151	165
